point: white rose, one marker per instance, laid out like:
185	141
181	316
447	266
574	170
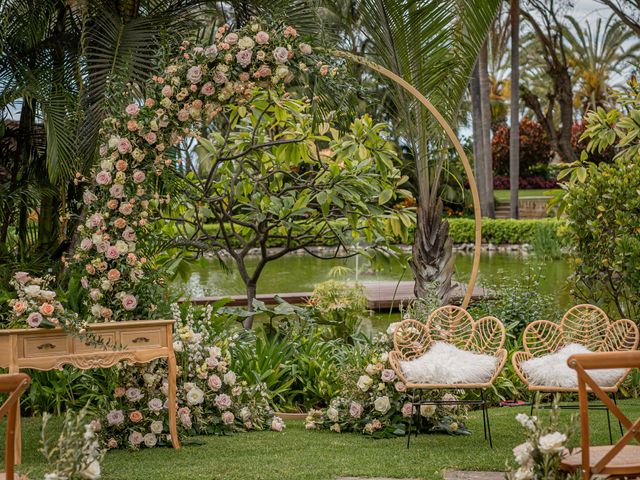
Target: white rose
364	383
427	410
391	329
523	474
522	453
32	290
195	396
229	378
156	427
177	346
526	421
150	440
333	414
92	472
382	404
552	442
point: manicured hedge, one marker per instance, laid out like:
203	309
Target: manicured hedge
500	231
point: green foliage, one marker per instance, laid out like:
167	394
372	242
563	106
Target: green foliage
340	306
500	231
602	205
545	242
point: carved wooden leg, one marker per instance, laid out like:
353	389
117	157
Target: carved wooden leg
18	432
173	428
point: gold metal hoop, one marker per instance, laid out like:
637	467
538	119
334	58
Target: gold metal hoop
456	144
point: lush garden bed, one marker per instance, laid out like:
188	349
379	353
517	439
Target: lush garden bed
298	454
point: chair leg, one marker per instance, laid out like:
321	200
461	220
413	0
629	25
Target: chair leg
484	415
615	401
609	427
485	409
532	401
413	398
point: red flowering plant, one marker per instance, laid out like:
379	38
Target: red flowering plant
140	141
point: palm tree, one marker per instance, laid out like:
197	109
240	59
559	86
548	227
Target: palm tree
514	138
58	62
432	44
627	10
595	54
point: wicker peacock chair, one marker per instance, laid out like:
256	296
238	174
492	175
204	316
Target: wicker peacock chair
586	325
453	325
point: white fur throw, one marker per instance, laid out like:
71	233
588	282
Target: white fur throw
552	370
446	364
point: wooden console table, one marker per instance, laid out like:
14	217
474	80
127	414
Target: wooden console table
141	341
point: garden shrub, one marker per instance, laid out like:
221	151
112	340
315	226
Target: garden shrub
535	149
602	205
499	231
339	305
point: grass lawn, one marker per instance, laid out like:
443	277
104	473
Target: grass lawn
300	454
505	195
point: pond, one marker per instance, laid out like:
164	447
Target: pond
299	273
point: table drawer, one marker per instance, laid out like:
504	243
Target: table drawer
144	338
44	346
82	346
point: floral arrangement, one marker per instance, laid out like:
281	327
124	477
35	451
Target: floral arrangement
75	454
539	457
35	305
211	398
194	88
376	403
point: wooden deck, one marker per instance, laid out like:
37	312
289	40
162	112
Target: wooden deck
380	295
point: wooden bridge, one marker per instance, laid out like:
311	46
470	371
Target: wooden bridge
383	295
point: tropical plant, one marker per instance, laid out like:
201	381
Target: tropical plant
596	54
340	306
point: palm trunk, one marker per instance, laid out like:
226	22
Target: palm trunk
478	138
432	259
514	136
485	108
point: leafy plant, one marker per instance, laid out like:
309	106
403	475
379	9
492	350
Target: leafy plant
340	306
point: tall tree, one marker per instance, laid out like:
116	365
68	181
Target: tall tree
488	209
548	28
514	138
433	45
627	10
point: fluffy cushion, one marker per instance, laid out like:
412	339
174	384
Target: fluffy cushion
444	363
552	370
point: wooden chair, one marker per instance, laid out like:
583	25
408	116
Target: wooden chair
14	384
584	324
454	325
620	459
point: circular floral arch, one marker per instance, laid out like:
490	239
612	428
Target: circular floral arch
140	141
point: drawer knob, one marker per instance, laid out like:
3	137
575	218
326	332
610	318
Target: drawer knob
46	346
140	340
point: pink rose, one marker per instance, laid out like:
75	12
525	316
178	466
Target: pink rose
119	223
243	57
112	443
388	375
136	438
194	74
129	234
183	115
112	253
211	51
129	302
262	72
103	178
125	209
34	319
214	382
208	89
95	220
124	145
86	244
281	55
290	32
115	417
262	38
407	410
401	387
132	125
277	425
91	270
167	91
155	405
84	282
150	137
355	410
116	190
102	246
149	102
138	176
219	77
132	109
88	197
113	275
106	312
228	418
121	165
222	401
231	38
